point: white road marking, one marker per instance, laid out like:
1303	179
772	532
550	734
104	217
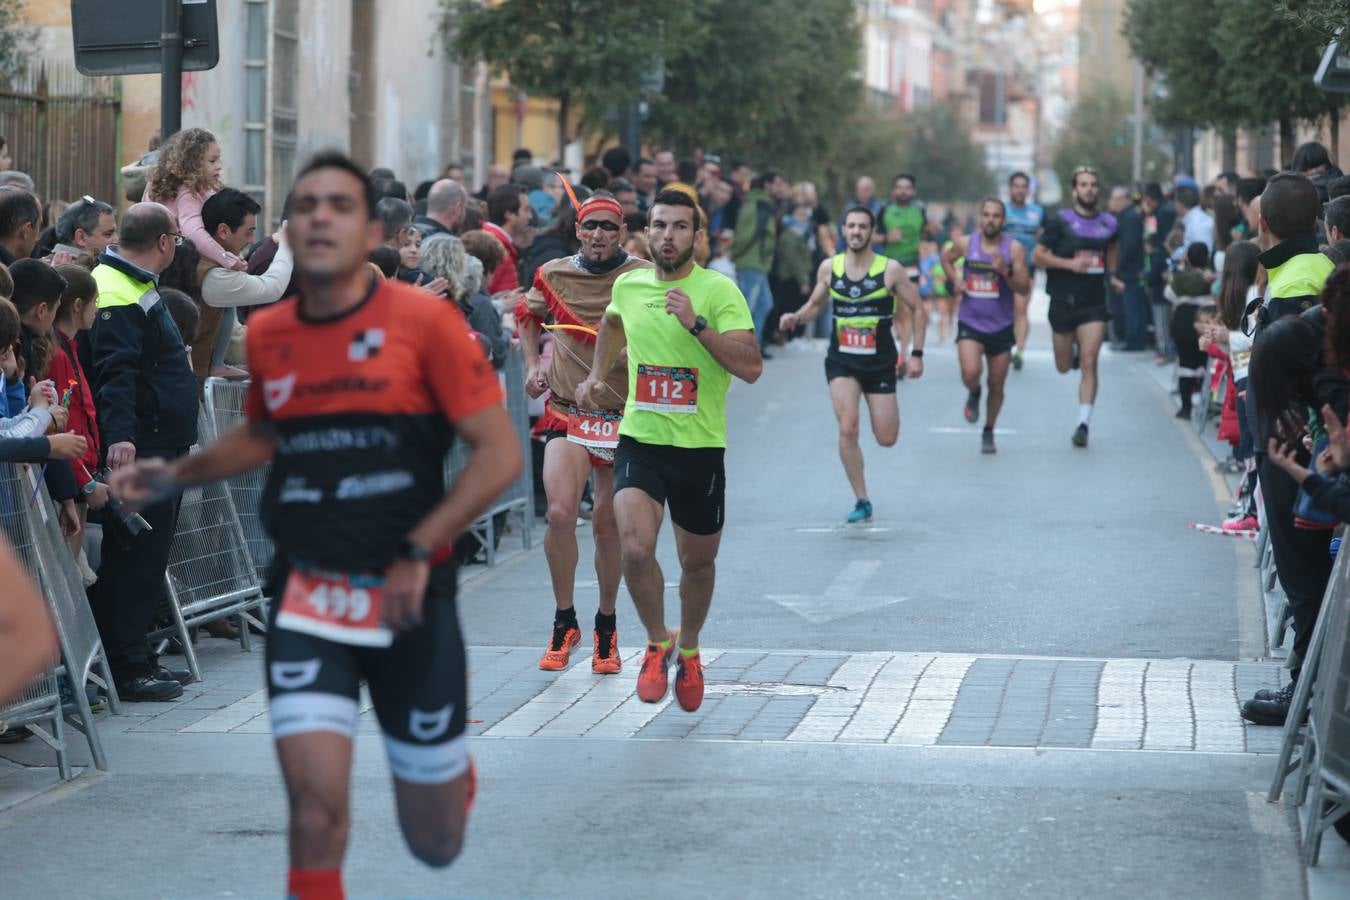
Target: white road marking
842	598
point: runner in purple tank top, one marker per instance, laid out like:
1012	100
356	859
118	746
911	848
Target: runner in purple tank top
995	270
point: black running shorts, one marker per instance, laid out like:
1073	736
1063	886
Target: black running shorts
1068	312
691	481
995	343
880	380
418	684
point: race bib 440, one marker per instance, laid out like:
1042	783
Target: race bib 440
596	428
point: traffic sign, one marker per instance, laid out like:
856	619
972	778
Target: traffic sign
1333	73
122	37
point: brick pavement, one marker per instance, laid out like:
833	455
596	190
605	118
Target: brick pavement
913	699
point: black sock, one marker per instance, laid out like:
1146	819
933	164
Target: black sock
989	429
565	616
606	623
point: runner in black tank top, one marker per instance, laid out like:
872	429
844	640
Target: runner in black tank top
1078	249
862	359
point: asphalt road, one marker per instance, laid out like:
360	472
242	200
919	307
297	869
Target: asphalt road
1041	559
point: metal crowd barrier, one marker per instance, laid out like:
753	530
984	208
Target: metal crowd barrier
224	410
211	574
224	401
1210	407
1319	756
28	520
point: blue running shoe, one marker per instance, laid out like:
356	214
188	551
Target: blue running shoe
862	512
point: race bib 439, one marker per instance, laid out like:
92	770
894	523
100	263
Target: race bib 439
338	607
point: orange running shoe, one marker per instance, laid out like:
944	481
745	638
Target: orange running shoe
653	678
689	682
605	660
559	651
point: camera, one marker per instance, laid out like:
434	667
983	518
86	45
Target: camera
115	510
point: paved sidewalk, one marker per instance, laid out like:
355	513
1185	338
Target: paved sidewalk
914	699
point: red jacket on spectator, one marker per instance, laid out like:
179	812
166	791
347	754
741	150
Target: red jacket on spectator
65	368
505	278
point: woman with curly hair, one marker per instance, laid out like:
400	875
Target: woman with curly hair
185	176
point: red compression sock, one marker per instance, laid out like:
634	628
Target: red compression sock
314	884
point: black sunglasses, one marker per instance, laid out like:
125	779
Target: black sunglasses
592	224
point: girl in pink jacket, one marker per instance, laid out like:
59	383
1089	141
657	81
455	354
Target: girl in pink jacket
185	176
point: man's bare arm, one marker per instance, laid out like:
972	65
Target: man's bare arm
1020	279
608	345
735	351
27	637
815	304
950	254
904	289
239	450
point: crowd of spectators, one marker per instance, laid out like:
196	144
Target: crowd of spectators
1249	283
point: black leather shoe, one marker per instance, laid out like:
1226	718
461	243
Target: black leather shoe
1268	694
182	676
149	688
1269	712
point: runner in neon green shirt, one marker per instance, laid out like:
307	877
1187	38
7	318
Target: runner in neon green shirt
687	331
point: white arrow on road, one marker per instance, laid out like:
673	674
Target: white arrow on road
843	597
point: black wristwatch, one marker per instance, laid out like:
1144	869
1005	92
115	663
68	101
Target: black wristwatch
413	551
916	353
700	323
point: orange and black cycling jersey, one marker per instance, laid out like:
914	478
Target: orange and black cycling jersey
364	406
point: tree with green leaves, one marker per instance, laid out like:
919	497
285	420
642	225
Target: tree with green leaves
1098	133
1173	38
1324	18
773	87
589	55
1240	63
16	43
1283	93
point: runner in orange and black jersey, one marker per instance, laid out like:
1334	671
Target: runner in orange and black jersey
358	389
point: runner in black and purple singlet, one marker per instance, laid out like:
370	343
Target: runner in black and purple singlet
995	270
1077	250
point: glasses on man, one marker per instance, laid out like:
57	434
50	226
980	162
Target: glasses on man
593	224
178	239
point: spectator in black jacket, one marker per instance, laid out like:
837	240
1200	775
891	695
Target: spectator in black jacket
1126	281
146	395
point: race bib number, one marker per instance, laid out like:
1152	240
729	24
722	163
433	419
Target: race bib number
667	389
858	337
337	607
595	428
1096	260
982	284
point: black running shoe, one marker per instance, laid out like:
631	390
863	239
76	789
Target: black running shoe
987	441
1080	436
972	410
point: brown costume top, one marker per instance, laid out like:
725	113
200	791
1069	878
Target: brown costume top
569	296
